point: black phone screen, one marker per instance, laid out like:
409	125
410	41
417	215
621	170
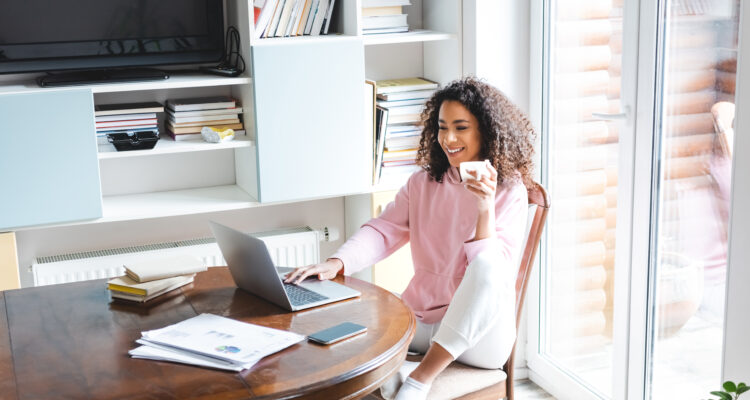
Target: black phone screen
336	333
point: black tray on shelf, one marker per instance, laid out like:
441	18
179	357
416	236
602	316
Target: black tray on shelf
124	141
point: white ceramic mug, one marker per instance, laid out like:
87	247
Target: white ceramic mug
478	166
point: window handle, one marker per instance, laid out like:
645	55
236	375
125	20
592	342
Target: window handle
612	117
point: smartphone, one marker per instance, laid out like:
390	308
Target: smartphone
337	333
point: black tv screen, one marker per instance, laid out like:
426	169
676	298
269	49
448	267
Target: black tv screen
53	35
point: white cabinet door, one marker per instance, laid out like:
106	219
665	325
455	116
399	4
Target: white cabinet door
308	119
49	172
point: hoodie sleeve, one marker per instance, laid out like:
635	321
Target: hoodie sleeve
511	214
379	237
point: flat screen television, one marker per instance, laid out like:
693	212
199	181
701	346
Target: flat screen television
59	35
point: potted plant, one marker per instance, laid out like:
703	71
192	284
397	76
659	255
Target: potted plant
731	391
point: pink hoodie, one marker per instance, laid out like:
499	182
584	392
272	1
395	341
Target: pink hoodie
438	219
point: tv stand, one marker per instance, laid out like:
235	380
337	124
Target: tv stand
101	76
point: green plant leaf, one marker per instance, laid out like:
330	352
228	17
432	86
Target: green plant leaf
741	385
723	395
742	389
730	387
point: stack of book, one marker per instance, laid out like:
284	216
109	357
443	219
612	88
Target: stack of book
284	18
149	279
398	125
186	117
384	16
126	118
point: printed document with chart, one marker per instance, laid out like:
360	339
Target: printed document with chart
213	341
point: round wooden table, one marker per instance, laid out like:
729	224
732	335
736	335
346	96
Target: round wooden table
71	341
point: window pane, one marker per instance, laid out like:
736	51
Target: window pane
697	112
585	47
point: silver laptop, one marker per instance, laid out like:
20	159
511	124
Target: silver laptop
252	270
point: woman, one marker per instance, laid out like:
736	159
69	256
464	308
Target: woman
465	236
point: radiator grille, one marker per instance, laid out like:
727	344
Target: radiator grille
288	247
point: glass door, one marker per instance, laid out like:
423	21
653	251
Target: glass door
693	134
588	90
636	117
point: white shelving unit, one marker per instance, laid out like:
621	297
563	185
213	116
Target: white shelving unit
166	145
292	135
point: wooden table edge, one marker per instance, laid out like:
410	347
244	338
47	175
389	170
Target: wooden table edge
397	350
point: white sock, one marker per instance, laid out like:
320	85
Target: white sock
389	389
413	390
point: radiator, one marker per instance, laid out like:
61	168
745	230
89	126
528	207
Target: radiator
288	247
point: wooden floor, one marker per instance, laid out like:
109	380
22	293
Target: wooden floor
525	390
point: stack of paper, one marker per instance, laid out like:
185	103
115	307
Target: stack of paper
212	341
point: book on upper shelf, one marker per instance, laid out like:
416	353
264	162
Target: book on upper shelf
377	31
320	15
381	121
200	113
378	11
387	86
384	3
405	118
298	13
128	108
201	103
126	128
329	15
303	19
228	121
284	18
399	103
130	122
124	117
196	129
273	22
257	7
402	110
311	17
407	95
265	16
384	21
182	137
177	119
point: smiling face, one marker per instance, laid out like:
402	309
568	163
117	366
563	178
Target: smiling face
458	133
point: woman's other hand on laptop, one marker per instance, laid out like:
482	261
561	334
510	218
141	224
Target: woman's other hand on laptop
324	270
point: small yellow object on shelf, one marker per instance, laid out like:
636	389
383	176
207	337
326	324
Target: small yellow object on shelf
214	135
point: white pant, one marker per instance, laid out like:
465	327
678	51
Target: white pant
479	327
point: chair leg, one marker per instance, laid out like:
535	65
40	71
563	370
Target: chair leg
509	372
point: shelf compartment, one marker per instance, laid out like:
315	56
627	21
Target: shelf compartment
175	203
413	36
166	145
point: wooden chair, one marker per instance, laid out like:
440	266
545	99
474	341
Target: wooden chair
462	382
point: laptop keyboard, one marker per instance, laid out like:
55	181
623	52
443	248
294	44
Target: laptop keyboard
300	296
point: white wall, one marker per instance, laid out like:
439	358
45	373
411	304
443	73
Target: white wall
496	45
496	39
737	324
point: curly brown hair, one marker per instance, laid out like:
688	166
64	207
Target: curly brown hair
507	134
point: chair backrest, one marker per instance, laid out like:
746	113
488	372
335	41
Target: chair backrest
539	201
